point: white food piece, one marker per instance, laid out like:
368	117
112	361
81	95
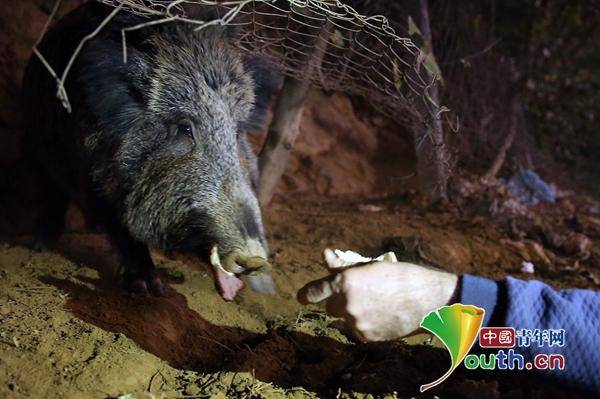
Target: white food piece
527	267
338	258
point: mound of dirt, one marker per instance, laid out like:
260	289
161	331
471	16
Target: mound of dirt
66	331
344	150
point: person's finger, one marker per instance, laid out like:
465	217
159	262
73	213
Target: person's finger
319	290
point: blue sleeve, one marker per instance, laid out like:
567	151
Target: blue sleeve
534	305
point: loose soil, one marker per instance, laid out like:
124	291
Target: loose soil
66	332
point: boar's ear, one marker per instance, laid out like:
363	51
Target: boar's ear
114	89
267	79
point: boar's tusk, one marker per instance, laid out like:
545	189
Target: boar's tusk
215	261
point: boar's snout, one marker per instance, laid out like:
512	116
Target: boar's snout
239	236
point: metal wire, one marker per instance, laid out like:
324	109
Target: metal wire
362	55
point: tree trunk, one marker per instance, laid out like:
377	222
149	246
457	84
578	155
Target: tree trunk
285	126
432	161
515	110
432	158
281	136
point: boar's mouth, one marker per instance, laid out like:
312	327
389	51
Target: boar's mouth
238	264
251	269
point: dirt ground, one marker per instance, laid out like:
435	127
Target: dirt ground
65	332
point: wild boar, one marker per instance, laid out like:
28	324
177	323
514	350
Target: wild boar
154	149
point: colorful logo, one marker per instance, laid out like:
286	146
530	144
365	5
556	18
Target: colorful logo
457	326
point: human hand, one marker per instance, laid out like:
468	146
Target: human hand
381	300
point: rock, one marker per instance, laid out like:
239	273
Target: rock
527	267
370	208
448	252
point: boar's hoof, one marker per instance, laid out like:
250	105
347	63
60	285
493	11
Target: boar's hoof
157	287
148	287
138	287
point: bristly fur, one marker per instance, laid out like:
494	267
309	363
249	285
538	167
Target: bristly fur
121	155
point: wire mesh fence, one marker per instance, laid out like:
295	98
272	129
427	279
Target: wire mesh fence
324	41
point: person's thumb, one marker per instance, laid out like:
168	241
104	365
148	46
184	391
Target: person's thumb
319	290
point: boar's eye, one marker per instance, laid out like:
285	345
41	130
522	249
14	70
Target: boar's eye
183	129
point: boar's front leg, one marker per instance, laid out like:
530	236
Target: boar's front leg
139	271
